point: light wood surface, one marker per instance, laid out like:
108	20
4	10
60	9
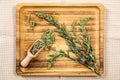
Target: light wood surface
64	13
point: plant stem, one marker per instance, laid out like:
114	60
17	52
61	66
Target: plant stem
63	32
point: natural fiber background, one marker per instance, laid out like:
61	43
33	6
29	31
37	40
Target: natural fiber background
8	35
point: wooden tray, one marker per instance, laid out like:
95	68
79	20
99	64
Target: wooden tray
64	13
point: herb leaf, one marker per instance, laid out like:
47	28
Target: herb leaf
86	39
33	24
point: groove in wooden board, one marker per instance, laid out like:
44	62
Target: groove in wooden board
56	69
91	34
83	10
17	47
46	25
39	64
40	29
46	53
59	64
101	57
68	25
22	31
67	19
21	35
29	43
18	55
81	73
89	24
102	42
32	39
85	74
33	36
70	12
60	16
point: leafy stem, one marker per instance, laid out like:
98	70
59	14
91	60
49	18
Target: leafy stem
59	54
48	18
86	39
87	60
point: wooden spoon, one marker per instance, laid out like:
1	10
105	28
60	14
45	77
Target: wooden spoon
29	56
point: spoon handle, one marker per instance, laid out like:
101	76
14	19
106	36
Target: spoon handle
26	61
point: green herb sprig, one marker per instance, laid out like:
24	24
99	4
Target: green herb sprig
32	23
63	32
86	39
60	54
49	38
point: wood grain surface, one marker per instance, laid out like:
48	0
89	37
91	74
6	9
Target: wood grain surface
64	13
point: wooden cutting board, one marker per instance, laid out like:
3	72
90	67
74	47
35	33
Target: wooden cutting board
64	13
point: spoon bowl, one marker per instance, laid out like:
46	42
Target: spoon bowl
29	56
